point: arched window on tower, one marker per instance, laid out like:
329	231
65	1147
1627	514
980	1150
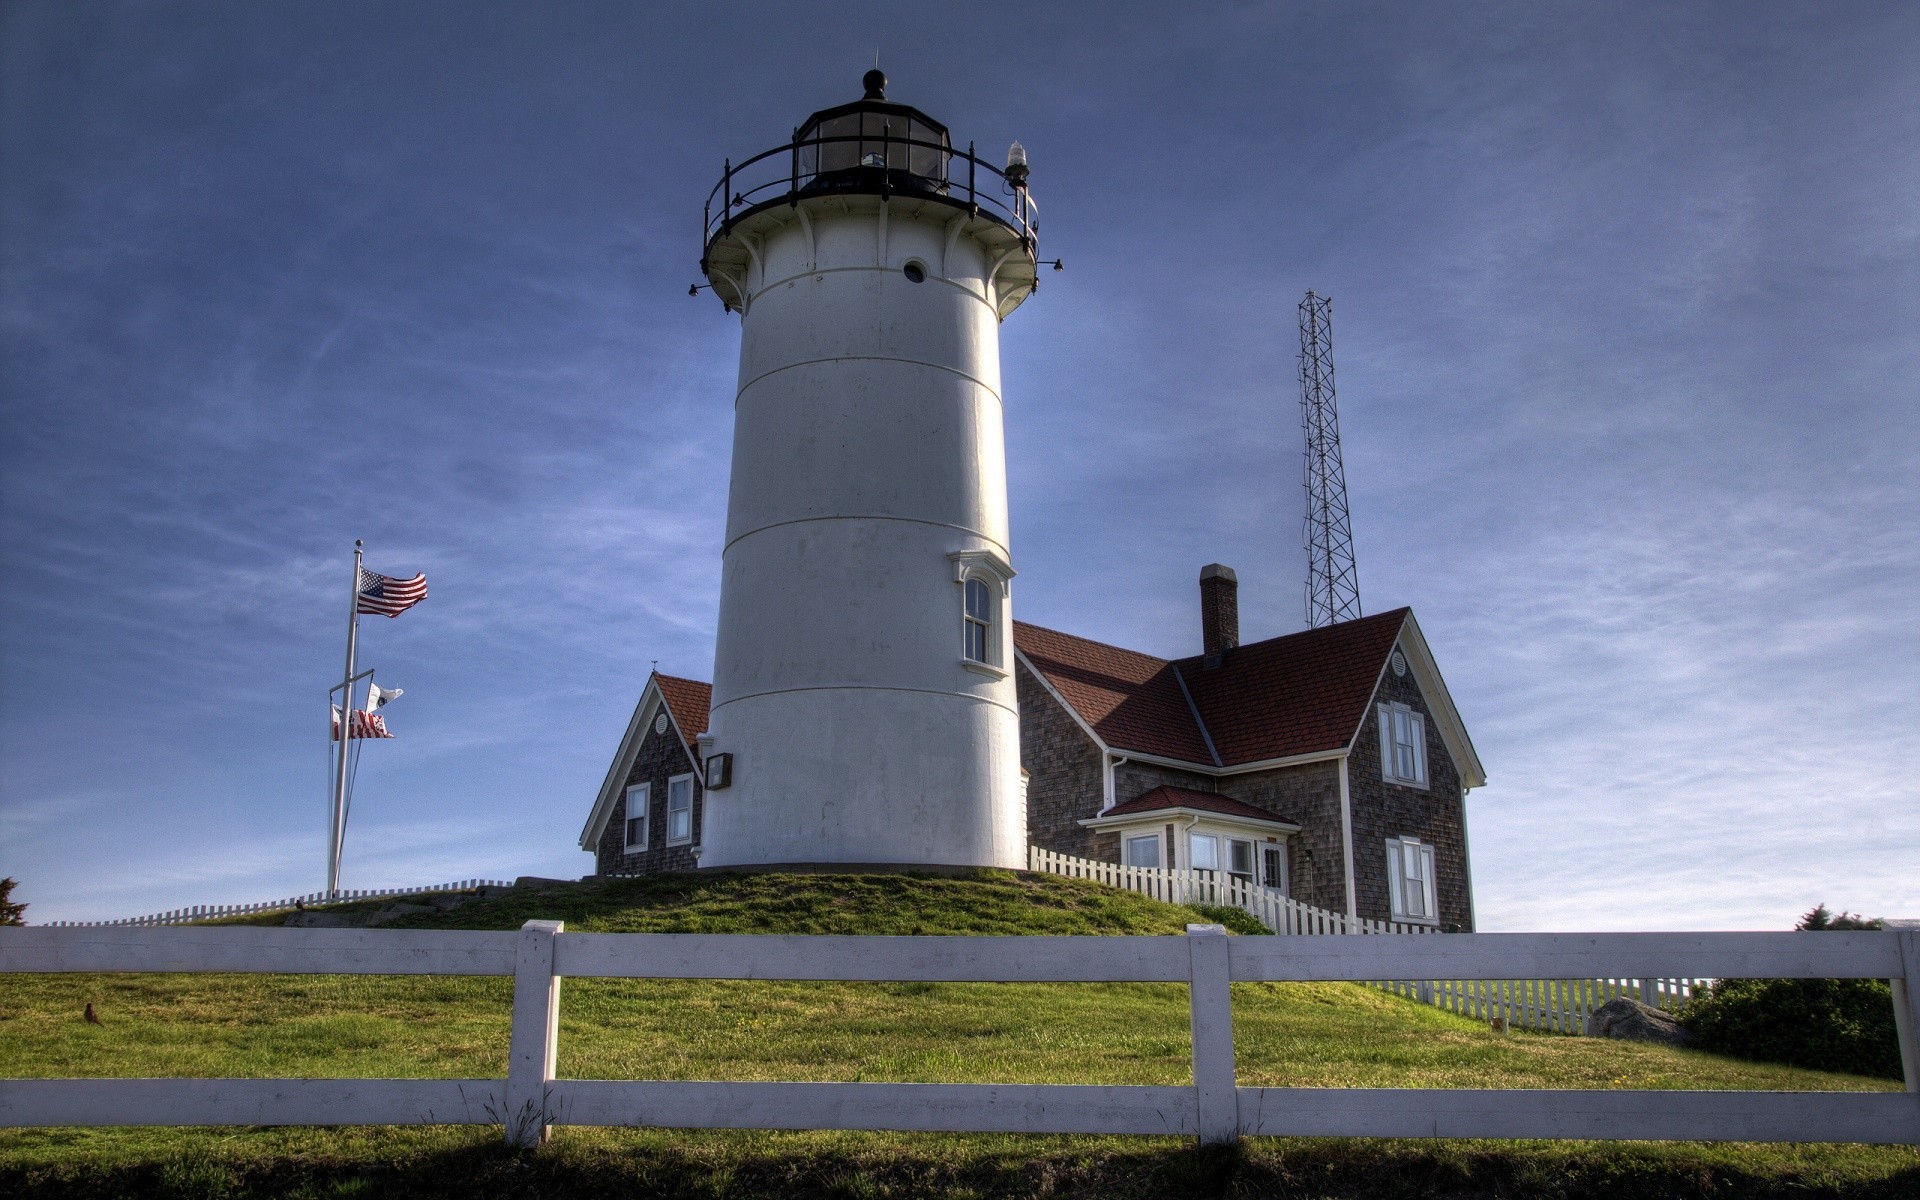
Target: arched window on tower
984	636
979	621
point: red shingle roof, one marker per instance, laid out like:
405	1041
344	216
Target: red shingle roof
1167	796
690	701
1132	700
1299	694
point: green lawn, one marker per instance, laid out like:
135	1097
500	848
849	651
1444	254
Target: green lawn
1325	1035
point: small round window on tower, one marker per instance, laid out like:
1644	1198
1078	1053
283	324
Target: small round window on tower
914	272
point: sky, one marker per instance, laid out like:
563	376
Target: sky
1626	326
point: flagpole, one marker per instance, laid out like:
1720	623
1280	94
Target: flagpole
338	831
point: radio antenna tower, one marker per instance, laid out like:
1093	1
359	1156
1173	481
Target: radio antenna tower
1333	582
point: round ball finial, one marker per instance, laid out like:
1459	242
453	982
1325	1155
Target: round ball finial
875	81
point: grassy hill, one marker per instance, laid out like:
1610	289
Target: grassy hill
1326	1035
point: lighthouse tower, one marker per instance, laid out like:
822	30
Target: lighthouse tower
864	708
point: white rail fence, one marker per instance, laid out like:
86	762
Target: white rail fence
209	912
1557	1005
1213	1107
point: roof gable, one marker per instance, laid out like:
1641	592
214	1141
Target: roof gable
687	702
1301	694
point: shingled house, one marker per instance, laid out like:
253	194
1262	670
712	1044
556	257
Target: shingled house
1330	764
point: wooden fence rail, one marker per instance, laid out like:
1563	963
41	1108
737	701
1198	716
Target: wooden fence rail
1556	1005
1213	1107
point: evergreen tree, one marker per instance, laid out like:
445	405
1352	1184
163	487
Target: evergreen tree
10	913
1821	919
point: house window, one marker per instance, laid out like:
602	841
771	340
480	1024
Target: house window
1144	851
1403	745
1410	880
637	802
679	810
979	621
1240	860
1204	851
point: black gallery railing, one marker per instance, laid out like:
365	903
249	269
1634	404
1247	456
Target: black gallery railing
882	165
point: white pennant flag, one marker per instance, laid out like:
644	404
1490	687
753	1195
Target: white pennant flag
378	696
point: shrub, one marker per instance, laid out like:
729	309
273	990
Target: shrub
1826	1024
1236	920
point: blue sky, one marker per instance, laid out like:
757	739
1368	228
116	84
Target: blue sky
1625	304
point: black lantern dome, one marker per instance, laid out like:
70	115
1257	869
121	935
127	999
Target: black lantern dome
872	156
850	148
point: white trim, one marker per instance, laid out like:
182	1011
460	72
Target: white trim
1160	816
612	786
1466	859
1046	684
1447	722
671	780
627	845
1346	839
994	574
1391	711
1159	854
1199	768
1398	876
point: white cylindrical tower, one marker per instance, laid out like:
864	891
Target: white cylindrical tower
864	708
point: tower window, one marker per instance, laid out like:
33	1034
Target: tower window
914	272
979	621
982	577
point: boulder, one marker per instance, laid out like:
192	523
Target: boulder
538	881
321	920
1622	1017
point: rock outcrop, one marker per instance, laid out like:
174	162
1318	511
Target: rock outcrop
1622	1017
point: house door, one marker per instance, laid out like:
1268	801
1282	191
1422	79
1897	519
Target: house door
1273	867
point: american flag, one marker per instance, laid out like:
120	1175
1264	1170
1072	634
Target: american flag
365	725
382	595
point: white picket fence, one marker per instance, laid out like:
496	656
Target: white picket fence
1214	1107
208	912
1557	1005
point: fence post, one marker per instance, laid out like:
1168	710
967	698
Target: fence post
1211	1004
532	1054
1906	1008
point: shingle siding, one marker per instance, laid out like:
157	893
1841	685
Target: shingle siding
1382	810
1063	771
1309	796
661	757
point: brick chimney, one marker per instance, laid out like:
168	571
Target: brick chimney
1219	611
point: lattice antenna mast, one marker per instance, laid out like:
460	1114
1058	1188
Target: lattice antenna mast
1333	581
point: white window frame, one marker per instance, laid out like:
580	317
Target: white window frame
1193	842
1410	876
1403	745
1128	842
1285	886
1252	874
688	839
645	792
992	571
